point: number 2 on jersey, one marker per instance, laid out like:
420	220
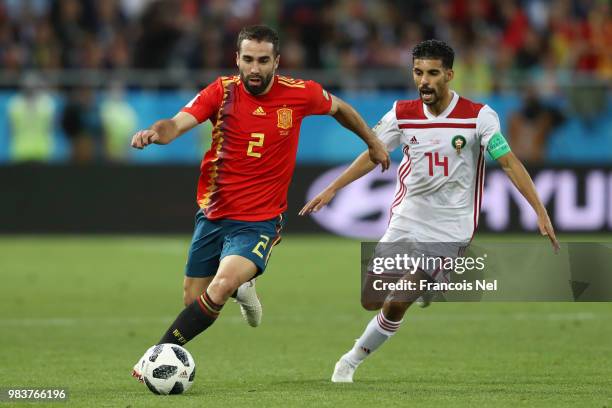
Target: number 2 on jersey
434	159
255	143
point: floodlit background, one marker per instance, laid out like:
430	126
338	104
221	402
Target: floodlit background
94	234
92	72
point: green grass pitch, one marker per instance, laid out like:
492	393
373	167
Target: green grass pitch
77	312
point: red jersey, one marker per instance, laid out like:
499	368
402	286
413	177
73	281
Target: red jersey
246	173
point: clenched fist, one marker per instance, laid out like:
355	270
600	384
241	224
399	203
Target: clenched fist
143	138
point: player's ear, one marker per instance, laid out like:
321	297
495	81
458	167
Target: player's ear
237	59
450	74
276	61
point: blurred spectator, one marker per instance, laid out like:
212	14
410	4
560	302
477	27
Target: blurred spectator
563	46
160	33
530	127
294	55
519	36
473	75
45	50
31	115
118	123
67	20
600	23
587	101
81	124
134	8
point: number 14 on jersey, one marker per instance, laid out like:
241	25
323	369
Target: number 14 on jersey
434	160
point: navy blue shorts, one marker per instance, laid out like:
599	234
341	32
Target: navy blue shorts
214	240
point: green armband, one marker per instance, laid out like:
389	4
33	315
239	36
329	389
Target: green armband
498	146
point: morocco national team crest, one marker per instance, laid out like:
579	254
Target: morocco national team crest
458	143
285	118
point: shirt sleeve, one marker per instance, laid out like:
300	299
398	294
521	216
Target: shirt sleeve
319	100
204	105
487	125
388	131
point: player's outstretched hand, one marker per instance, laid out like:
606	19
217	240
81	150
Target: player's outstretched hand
546	229
318	202
379	154
143	138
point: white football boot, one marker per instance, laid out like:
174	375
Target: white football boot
137	370
139	366
343	371
250	306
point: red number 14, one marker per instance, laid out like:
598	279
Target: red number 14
434	159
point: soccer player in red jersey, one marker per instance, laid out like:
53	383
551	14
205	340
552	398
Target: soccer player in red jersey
242	191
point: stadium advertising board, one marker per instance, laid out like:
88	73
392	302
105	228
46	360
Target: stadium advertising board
578	200
114	199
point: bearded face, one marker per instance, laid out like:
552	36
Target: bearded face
257	65
431	79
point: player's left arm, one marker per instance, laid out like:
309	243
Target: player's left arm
519	176
488	127
348	117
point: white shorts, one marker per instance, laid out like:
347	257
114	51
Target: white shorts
432	254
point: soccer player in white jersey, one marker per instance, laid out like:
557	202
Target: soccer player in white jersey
440	180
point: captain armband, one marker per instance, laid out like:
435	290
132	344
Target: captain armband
498	146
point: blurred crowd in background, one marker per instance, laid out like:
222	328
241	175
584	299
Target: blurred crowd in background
490	36
536	48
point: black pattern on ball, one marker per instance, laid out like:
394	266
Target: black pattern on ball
156	351
164	371
192	376
151	387
177	389
181	355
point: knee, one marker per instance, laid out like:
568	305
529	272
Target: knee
371	305
222	287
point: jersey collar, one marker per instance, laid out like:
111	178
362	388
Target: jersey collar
446	111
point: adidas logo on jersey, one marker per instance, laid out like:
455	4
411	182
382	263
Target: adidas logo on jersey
414	140
259	111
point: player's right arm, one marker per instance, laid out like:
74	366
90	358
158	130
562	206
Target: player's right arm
387	131
198	110
164	131
348	117
359	168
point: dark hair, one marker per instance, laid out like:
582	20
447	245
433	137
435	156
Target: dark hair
434	49
259	33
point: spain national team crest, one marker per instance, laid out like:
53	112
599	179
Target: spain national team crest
285	118
458	143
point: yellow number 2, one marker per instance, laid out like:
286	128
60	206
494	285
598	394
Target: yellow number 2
261	245
255	143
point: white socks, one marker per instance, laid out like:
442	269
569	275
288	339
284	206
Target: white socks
376	333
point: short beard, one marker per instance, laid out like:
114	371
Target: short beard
256	90
434	99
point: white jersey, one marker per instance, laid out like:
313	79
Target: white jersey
440	179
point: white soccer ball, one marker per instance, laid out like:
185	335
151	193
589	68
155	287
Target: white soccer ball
168	369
